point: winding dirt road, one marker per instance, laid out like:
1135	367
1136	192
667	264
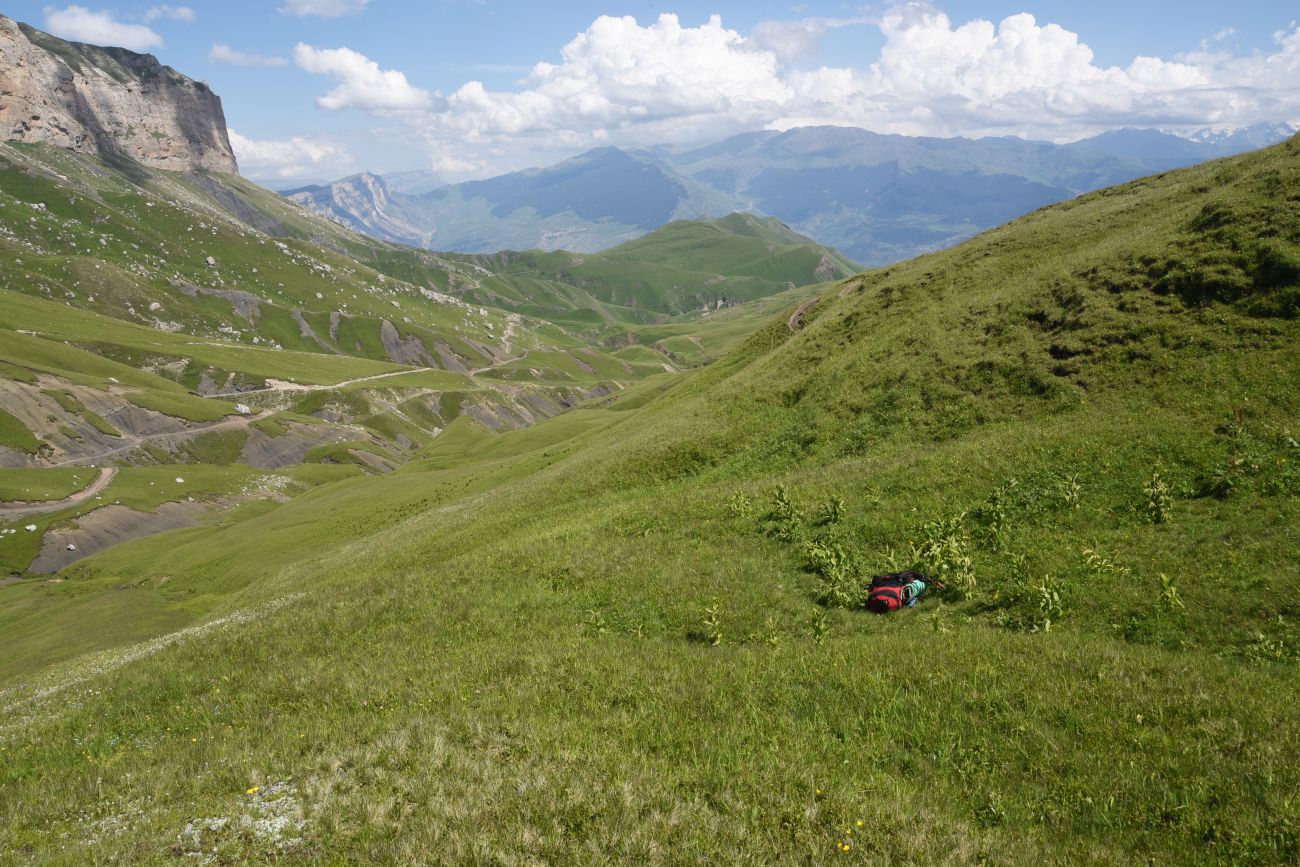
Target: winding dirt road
513	322
136	441
282	385
11	511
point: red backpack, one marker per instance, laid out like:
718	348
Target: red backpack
895	590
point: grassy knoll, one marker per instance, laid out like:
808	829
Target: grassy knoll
679	268
17	485
188	407
634	633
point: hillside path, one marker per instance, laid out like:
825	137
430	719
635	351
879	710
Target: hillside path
10	511
135	441
282	385
795	322
513	321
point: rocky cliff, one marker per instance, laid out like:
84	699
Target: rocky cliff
107	101
364	202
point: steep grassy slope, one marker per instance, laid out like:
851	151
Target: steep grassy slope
609	637
209	257
151	319
215	286
155	318
221	286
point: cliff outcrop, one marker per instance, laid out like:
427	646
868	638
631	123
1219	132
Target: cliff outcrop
365	204
108	101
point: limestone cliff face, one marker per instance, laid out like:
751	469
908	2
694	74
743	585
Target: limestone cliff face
364	203
107	101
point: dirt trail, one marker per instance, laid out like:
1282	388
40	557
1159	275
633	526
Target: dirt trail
10	511
173	436
513	321
282	385
795	322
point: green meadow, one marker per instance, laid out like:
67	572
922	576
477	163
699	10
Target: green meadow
635	633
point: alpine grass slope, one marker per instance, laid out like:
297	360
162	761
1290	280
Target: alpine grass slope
632	633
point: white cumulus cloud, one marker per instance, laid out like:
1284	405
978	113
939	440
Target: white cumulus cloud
80	24
225	54
295	157
1040	80
171	13
361	83
323	8
623	83
618	75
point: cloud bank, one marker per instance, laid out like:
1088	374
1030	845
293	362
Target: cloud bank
623	83
289	158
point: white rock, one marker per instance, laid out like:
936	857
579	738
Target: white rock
155	306
31	528
212	263
179	480
243	409
72	547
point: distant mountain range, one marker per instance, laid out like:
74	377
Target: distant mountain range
877	198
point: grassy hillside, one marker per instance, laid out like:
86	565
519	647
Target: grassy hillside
633	633
152	319
149	318
175	258
215	286
684	267
221	288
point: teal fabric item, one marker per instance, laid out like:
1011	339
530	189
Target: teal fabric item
913	591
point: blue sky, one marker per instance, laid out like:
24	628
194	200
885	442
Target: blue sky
317	88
